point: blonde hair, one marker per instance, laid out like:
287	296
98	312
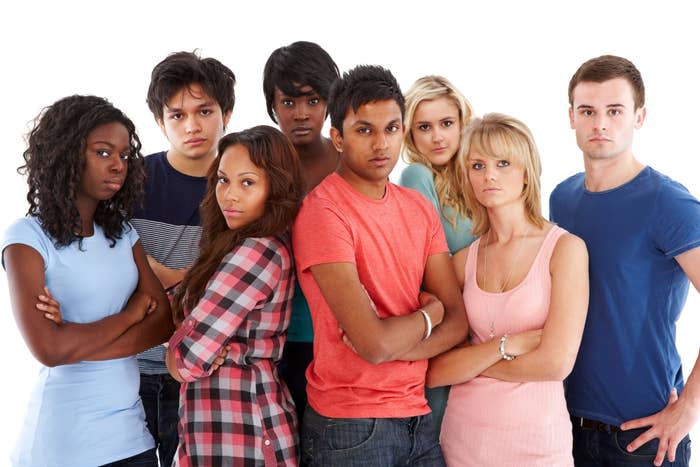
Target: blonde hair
448	179
499	136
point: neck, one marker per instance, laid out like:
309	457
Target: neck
86	210
606	174
318	159
198	167
507	223
370	188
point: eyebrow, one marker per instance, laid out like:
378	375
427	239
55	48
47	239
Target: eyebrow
366	123
107	143
586	106
248	173
208	103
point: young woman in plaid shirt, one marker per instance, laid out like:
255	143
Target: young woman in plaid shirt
235	302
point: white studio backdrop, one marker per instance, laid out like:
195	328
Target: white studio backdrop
509	56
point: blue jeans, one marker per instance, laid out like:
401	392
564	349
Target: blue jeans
145	459
363	442
160	395
608	449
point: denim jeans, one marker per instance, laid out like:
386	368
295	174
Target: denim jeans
145	459
608	449
376	442
160	395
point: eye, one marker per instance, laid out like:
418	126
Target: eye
314	101
206	112
503	163
247	182
363	130
127	155
477	166
176	116
221	180
614	112
424	127
287	102
447	123
393	128
103	153
587	113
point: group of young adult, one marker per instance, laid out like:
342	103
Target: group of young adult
450	286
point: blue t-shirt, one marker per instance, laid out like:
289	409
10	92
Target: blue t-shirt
628	362
87	413
168	223
420	178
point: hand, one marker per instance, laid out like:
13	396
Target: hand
670	426
139	305
220	358
523	342
50	307
432	306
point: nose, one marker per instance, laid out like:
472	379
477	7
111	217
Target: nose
301	112
489	173
117	164
601	122
193	125
380	142
231	193
437	136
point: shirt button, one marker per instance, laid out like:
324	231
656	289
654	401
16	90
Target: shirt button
267	442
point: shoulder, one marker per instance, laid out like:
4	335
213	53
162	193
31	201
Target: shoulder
263	250
669	190
569	185
415	172
27	231
569	248
410	196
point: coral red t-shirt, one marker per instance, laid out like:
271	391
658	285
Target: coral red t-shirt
389	240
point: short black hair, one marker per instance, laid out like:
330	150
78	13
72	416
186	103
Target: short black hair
182	69
359	86
294	66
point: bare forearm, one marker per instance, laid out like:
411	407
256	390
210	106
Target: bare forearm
155	329
462	364
541	364
449	333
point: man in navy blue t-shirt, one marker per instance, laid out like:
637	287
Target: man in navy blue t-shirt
626	393
191	99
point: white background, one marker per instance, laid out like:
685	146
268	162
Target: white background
508	56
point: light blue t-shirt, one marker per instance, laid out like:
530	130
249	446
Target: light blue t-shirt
420	178
88	413
628	362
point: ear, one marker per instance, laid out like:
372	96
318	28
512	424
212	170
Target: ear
227	117
336	139
571	117
639	116
161	125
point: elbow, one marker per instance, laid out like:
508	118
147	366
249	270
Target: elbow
559	368
52	358
376	353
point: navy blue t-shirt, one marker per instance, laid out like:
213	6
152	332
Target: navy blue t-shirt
628	362
168	225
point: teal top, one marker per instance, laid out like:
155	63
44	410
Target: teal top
420	178
300	326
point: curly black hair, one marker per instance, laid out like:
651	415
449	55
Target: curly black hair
54	163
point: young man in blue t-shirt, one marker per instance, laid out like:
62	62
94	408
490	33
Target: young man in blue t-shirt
626	394
191	99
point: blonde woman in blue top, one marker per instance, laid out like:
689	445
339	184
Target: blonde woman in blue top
436	115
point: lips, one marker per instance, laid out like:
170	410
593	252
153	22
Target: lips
379	161
301	131
195	141
231	212
114	184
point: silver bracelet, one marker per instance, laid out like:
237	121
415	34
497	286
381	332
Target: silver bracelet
428	324
502	349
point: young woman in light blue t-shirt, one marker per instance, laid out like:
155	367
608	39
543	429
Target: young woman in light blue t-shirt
76	248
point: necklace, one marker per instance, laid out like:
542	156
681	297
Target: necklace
492	325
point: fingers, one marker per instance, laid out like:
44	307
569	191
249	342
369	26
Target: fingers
642	439
50	307
673	397
661	453
638	423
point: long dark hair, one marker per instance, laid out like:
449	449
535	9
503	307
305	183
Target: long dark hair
54	163
270	150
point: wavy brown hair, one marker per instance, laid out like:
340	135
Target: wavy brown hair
54	164
271	151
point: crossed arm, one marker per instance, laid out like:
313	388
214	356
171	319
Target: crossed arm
544	355
144	322
379	340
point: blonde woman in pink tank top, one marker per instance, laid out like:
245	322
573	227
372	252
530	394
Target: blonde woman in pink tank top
525	286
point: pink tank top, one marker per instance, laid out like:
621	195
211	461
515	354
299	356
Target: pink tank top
494	422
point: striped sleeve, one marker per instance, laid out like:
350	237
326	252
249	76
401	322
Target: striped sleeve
244	281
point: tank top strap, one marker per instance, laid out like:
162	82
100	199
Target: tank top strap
470	263
547	248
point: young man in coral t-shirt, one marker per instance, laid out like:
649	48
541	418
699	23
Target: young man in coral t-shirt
365	248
